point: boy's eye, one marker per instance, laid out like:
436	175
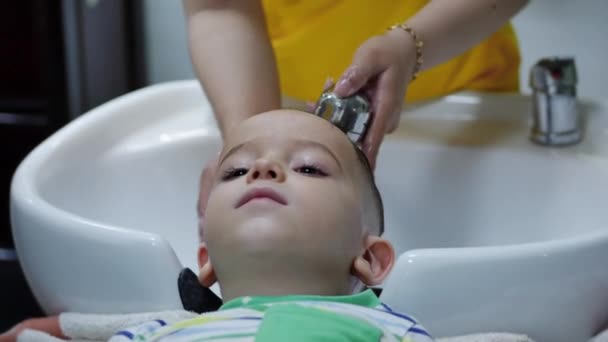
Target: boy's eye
233	172
311	170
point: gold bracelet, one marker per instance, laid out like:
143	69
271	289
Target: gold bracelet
417	42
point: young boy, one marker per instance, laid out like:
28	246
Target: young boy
292	229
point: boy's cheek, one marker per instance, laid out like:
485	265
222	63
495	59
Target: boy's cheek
224	192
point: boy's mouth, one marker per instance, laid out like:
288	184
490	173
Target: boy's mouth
261	194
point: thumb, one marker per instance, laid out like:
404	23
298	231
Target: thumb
363	69
373	139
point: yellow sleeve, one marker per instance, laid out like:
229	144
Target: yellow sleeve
316	39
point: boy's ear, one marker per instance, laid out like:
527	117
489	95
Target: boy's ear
206	273
376	261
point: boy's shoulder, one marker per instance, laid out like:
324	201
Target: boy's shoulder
293	317
250	317
381	315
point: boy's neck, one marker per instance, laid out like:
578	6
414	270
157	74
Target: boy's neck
282	285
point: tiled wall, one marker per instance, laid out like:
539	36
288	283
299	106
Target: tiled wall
545	28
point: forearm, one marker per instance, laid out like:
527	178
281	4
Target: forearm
450	27
233	58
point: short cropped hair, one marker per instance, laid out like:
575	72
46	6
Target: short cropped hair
371	193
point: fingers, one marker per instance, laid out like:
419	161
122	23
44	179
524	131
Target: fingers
11	335
377	69
353	79
373	139
49	325
312	106
365	66
329	82
387	104
394	116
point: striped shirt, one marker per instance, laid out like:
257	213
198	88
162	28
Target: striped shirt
359	317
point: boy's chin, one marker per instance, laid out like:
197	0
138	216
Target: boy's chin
264	232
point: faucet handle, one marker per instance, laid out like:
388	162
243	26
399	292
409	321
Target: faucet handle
554	75
556	120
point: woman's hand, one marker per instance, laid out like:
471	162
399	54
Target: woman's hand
49	325
382	68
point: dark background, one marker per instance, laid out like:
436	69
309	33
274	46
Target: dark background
57	60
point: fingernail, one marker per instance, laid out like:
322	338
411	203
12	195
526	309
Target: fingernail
311	106
345	87
328	83
368	152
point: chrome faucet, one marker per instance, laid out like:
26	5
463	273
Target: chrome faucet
350	114
556	120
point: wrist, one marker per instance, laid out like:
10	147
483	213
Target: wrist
411	44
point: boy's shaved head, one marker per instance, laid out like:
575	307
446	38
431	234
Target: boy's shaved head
372	200
293	209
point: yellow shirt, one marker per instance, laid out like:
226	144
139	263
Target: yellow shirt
316	39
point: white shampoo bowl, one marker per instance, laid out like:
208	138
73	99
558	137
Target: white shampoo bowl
495	233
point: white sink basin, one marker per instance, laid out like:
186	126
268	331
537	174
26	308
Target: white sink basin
499	234
496	233
451	195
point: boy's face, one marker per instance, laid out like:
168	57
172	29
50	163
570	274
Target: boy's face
287	191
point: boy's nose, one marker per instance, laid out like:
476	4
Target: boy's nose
266	169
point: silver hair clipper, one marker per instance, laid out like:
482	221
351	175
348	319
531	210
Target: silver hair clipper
350	114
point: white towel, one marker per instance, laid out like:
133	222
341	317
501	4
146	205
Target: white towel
29	335
488	337
88	328
38	336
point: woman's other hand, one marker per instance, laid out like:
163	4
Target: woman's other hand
381	68
49	325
